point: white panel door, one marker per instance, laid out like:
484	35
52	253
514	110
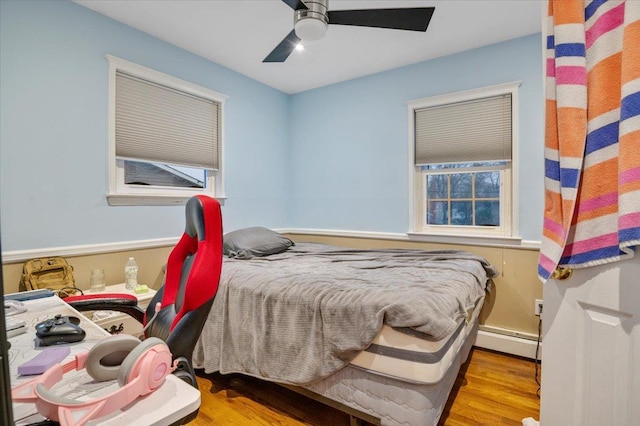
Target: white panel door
591	340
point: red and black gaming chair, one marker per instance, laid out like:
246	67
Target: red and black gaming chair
190	284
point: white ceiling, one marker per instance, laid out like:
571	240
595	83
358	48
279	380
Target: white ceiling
240	33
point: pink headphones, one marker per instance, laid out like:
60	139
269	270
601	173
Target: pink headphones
140	368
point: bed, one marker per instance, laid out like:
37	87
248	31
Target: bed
380	334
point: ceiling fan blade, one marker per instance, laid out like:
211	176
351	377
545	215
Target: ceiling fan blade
284	49
295	4
412	19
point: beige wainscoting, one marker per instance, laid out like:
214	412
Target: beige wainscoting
509	306
508	309
150	267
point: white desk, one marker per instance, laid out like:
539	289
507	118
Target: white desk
171	402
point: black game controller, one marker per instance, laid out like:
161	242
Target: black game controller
59	329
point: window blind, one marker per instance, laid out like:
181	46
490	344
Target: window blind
160	124
471	131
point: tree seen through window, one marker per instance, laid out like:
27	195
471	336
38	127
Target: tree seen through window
469	198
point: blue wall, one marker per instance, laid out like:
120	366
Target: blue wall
53	133
330	158
349	141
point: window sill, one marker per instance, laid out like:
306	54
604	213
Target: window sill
152	200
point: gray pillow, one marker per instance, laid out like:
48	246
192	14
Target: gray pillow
256	241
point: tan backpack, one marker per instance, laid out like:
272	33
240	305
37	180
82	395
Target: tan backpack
53	273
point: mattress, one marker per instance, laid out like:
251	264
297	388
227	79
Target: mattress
381	388
412	356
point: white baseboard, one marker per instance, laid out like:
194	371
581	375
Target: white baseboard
508	344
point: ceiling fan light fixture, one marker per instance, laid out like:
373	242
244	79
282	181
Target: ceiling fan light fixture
311	19
311	29
310	23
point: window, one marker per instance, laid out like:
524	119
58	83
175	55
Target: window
462	149
165	137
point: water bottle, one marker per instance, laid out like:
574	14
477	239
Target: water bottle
131	274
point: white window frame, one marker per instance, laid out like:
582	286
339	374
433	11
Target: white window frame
120	193
508	177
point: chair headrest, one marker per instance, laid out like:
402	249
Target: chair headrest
194	210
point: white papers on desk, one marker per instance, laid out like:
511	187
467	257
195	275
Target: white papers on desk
75	385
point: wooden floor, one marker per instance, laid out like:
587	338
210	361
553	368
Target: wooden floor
491	389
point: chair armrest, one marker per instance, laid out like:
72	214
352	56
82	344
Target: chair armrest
124	303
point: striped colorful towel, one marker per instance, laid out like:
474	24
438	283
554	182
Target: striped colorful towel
592	148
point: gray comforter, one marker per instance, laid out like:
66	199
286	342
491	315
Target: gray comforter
299	316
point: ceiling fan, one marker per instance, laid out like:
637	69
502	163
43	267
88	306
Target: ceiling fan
311	18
